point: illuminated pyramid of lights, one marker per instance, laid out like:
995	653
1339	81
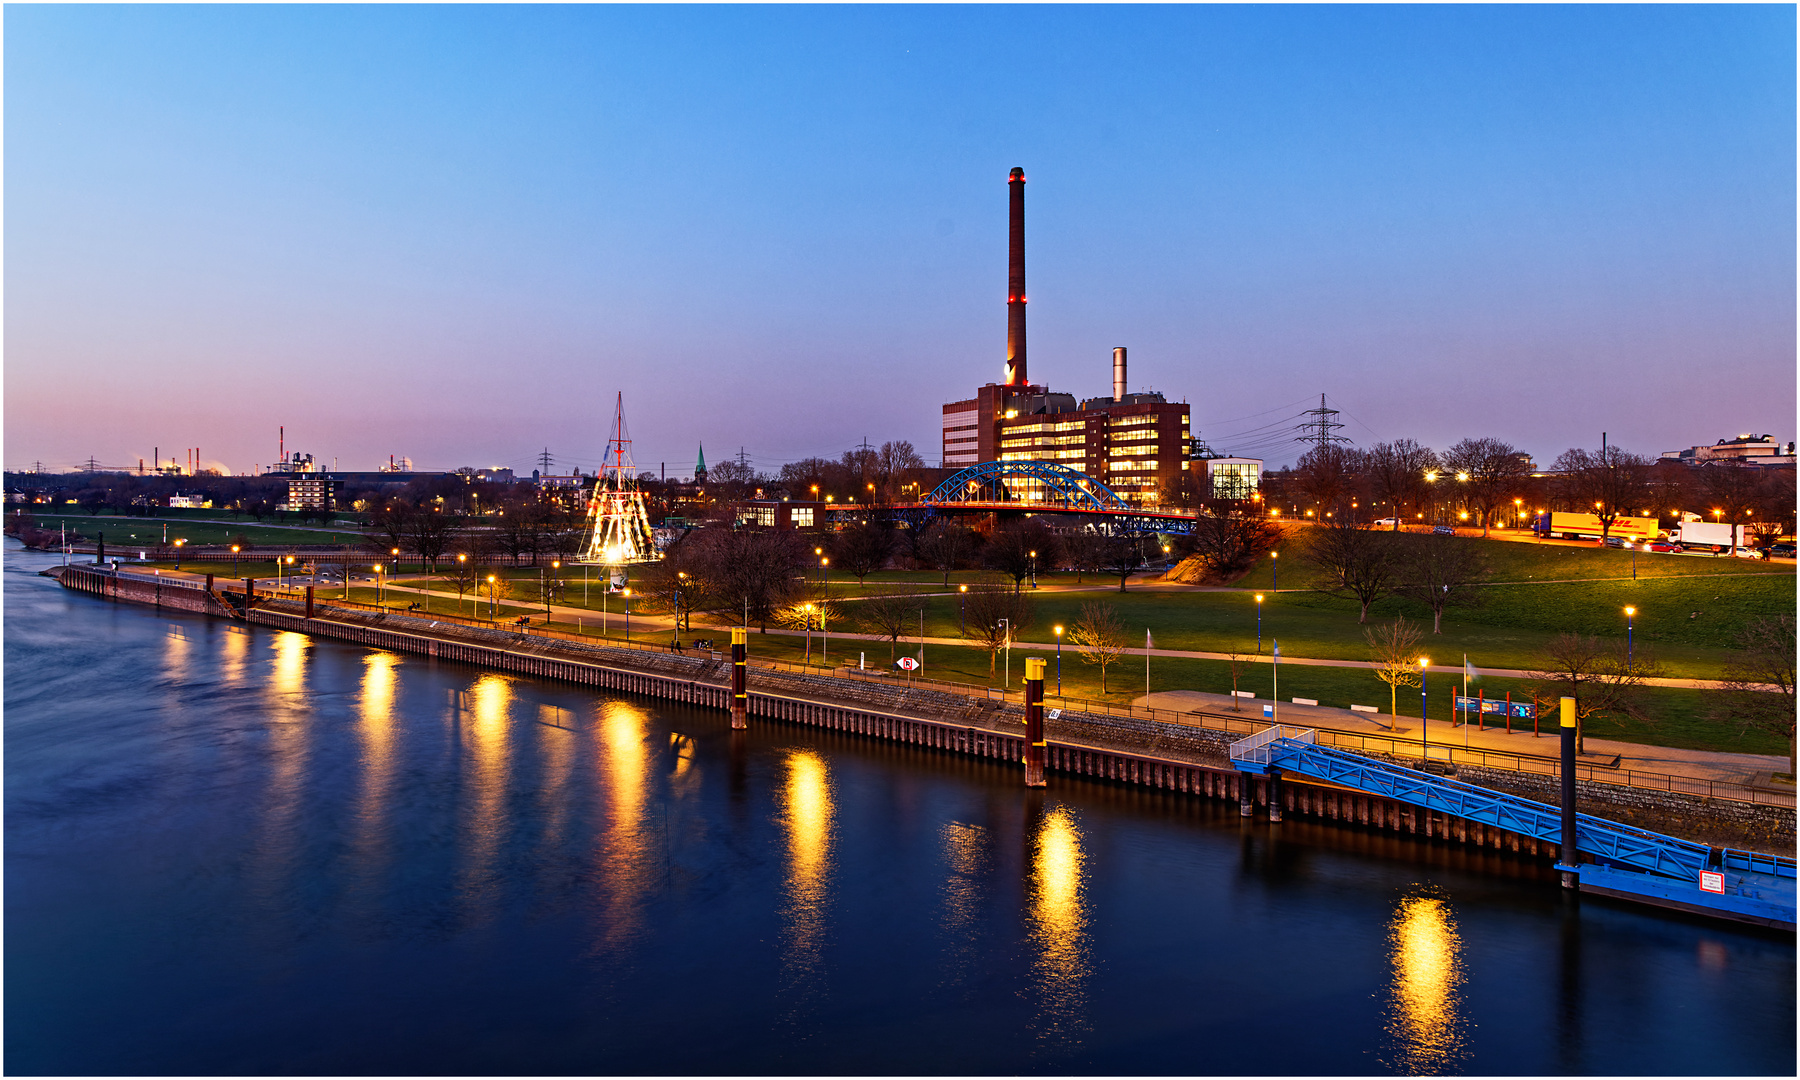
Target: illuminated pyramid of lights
618	525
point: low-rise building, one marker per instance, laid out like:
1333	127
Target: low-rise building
1745	449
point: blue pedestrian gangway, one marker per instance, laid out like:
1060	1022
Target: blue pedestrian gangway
1627	859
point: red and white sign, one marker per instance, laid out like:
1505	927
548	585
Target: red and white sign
1712	881
906	663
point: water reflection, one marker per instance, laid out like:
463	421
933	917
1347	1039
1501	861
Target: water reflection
484	779
1425	1025
375	731
629	865
288	750
234	654
807	805
1057	920
965	895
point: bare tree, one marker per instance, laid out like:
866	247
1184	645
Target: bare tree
1326	475
1394	648
1121	554
895	458
1397	473
862	549
1019	548
1236	661
1609	483
1223	545
891	616
428	532
1495	471
997	615
1099	637
947	546
1440	572
1602	678
1758	688
754	571
1355	562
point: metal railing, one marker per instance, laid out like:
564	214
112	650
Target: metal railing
1397	746
1258	748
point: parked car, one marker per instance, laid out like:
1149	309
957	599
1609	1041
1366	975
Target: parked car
1443	530
1781	551
1615	541
1386	523
1662	545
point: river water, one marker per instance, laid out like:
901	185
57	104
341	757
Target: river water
236	850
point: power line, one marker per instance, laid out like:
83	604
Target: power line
1321	429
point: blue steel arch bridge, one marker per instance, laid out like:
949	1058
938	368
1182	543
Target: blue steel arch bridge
1017	488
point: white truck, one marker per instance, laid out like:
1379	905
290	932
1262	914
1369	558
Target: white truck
1713	535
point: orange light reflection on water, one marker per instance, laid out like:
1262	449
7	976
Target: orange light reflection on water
1057	920
1425	999
807	817
485	731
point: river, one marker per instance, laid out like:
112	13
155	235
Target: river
237	850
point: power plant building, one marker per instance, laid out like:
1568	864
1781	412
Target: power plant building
1136	444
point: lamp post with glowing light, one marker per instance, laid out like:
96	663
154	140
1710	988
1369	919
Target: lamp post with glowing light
1275	570
462	560
1259	597
627	592
378	569
178	544
1630	617
395	552
493	598
962	622
234	554
1424	710
1059	636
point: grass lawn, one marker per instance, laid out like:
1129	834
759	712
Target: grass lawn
125	532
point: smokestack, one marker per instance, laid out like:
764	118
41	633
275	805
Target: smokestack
281	447
1015	284
1119	373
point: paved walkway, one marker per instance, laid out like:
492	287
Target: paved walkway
1637	757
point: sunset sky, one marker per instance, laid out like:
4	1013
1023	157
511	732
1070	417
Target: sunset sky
455	233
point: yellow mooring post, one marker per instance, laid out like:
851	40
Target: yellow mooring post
740	698
1034	721
1568	859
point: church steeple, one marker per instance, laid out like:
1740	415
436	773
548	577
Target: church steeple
700	466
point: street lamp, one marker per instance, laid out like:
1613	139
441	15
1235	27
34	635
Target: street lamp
1275	569
807	610
234	554
395	552
962	622
290	565
378	569
1630	615
1033	565
1424	728
627	591
1059	634
825	569
178	544
1259	623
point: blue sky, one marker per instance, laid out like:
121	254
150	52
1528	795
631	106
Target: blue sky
454	233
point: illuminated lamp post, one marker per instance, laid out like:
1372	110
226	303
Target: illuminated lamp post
178	544
1424	728
1259	623
1275	570
627	591
378	569
234	555
493	598
825	570
1059	637
1630	616
461	561
962	623
1033	567
395	552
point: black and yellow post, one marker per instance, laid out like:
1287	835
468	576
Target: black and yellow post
1568	860
249	593
740	697
1034	721
309	601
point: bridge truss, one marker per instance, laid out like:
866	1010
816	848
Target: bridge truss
1040	487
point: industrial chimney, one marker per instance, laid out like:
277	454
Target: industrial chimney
1119	373
1015	285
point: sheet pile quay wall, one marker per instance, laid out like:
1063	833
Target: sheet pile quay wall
1127	750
